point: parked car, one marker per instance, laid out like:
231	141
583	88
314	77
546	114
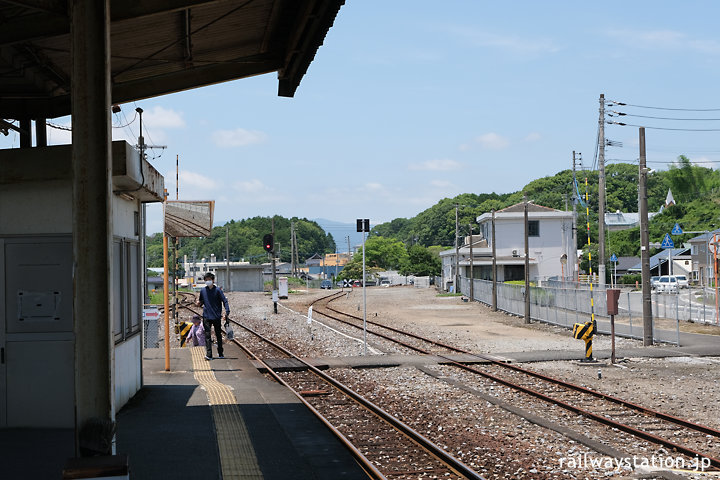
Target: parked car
654	281
326	284
668	284
682	281
357	283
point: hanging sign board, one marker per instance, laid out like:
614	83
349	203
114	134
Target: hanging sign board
189	218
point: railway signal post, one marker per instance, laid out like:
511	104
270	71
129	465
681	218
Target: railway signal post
363	225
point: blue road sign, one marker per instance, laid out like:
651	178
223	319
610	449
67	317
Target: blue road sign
613	258
667	242
677	230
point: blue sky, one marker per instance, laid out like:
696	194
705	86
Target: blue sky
408	102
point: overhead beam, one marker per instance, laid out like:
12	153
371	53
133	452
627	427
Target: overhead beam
58	7
194	77
145	88
36	27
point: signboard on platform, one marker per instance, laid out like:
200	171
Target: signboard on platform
189	218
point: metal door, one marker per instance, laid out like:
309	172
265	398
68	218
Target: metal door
3	337
37	333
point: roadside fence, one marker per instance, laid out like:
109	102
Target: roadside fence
565	305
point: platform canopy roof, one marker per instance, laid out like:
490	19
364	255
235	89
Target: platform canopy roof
157	47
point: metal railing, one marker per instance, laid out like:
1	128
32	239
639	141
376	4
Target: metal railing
574	303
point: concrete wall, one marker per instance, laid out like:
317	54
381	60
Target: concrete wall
127	369
242	279
36	203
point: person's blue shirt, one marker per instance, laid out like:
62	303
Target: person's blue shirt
212	300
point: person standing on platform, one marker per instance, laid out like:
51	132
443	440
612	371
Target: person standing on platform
212	300
196	336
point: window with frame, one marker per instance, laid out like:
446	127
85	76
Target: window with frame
533	228
126	289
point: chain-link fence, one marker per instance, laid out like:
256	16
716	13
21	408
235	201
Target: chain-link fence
574	303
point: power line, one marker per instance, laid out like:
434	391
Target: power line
611	103
622	114
665	128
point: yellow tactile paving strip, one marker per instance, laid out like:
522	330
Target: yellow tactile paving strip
237	455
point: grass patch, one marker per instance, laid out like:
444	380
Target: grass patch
449	294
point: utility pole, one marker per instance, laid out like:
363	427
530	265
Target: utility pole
472	277
227	259
274	281
292	248
494	266
574	225
601	192
456	281
527	264
297	255
645	245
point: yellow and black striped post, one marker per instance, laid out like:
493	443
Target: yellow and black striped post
586	332
184	329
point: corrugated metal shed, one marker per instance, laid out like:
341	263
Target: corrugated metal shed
157	47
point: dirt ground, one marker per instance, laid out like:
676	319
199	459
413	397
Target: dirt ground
684	386
469	323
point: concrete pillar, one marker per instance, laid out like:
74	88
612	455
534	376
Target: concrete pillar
92	223
26	133
40	133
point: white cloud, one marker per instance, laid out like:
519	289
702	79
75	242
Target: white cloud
532	137
512	43
704	162
373	186
238	137
250	186
440	164
492	141
664	39
194	180
441	184
59	134
159	117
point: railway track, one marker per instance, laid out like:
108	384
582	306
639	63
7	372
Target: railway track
382	444
677	434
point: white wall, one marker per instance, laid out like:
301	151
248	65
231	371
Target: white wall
36	208
128	370
555	240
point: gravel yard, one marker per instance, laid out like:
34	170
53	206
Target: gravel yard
481	433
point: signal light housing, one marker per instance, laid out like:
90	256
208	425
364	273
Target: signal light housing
268	243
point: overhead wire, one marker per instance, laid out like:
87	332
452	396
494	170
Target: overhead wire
623	114
613	102
622	124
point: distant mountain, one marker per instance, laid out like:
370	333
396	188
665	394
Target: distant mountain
340	231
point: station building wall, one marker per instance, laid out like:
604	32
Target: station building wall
36	315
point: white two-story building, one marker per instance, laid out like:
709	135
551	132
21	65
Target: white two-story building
551	240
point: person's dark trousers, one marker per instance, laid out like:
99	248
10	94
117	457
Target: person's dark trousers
208	324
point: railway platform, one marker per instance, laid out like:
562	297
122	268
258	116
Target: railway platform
212	420
223	419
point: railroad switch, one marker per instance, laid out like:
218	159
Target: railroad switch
586	332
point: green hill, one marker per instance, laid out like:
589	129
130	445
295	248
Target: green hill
245	240
695	189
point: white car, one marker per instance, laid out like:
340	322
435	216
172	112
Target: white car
668	284
682	281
